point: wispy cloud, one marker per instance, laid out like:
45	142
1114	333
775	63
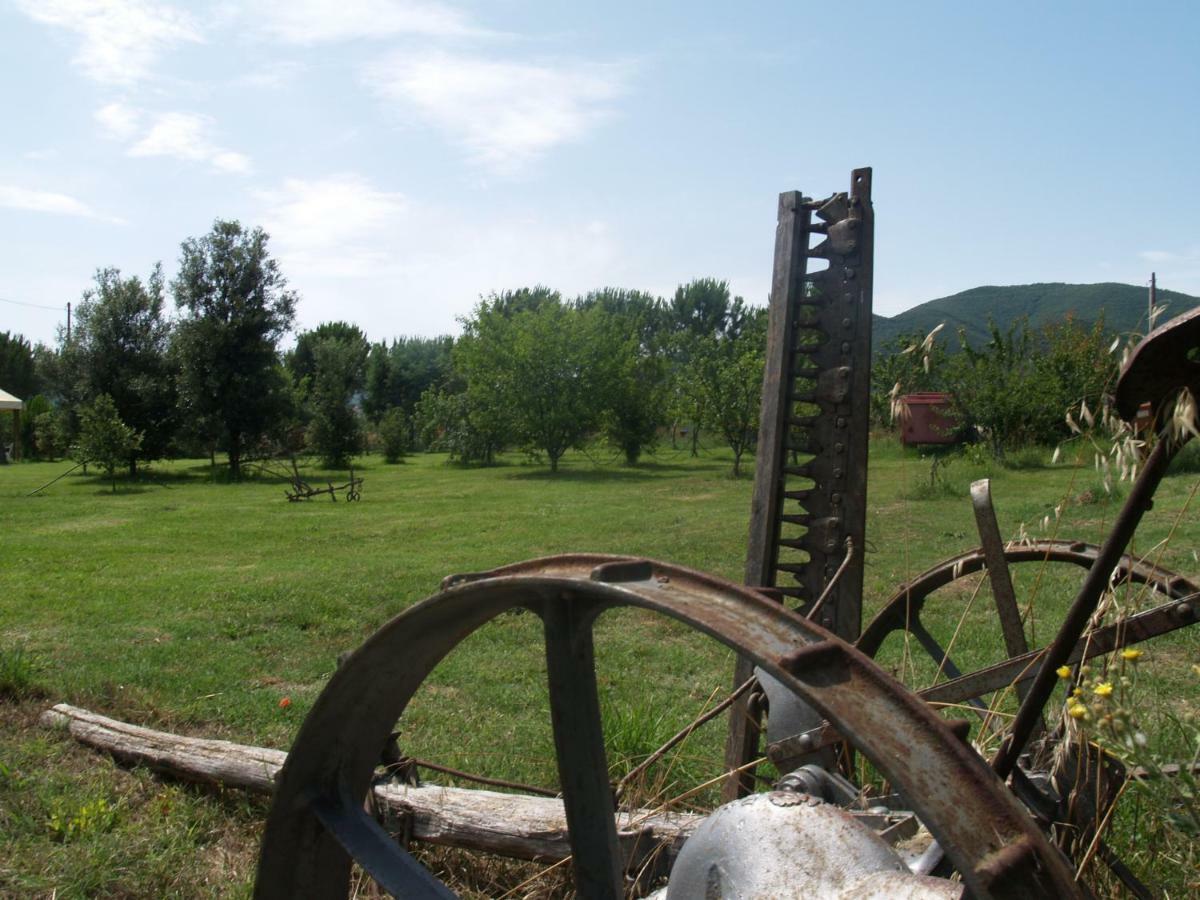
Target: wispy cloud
307	22
120	40
179	135
13	197
117	120
415	267
505	114
331	226
1167	257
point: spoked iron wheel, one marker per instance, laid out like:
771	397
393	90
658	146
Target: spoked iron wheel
955	597
1068	787
318	827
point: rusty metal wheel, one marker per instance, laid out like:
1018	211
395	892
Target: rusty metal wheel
317	825
1052	776
903	613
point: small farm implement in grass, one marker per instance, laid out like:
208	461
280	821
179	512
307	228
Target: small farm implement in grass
301	489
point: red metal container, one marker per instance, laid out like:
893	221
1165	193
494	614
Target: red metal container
927	418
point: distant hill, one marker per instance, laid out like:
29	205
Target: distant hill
1123	305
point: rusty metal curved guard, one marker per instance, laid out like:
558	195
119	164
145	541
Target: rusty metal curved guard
1162	363
317	820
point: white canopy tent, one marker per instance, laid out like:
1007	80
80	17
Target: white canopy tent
9	402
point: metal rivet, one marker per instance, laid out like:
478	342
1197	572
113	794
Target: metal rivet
845	346
836	498
847	273
837	473
846	323
841	422
1183	610
839	448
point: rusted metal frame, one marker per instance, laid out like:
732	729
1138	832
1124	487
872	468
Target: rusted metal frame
477	779
938	654
1139	627
579	745
858	278
380	856
1160	365
1003	593
908	602
836	304
1029	714
966	808
766	504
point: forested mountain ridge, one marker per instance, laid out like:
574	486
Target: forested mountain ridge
1123	306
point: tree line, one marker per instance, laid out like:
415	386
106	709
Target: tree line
532	370
1014	390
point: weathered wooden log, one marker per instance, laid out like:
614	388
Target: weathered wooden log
514	825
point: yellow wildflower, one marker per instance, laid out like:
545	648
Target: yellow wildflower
1103	689
1077	711
1131	654
1063	671
1077	692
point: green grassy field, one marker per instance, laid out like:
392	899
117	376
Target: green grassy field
194	606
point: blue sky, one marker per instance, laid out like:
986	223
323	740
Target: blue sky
407	157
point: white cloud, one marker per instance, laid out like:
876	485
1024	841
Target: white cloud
186	136
120	40
44	202
309	22
506	114
397	266
1189	256
118	121
331	226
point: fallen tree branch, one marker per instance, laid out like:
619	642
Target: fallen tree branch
514	825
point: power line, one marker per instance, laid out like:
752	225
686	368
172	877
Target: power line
33	305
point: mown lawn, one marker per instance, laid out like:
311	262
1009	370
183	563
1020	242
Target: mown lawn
197	606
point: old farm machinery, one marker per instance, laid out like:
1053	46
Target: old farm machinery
809	692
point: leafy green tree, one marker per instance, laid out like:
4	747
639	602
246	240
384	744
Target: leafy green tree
705	308
336	432
35	407
236	308
729	378
18	373
119	347
103	438
635	375
700	315
526	299
400	375
546	368
375	395
1075	365
393	433
302	360
52	433
997	389
458	423
416	364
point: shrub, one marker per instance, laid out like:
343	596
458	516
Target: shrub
393	434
